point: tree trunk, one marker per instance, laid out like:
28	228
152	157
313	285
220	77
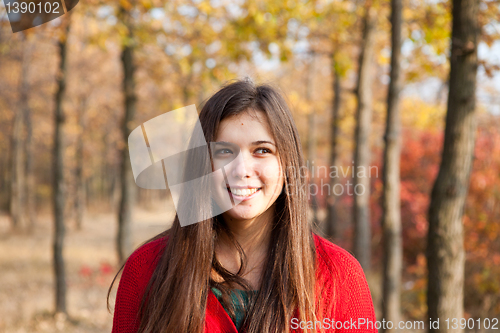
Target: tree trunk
5	180
21	202
79	177
311	152
7	175
58	176
445	249
362	229
332	228
128	189
19	145
311	141
17	201
30	186
391	216
30	182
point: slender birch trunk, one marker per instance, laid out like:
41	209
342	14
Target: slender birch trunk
59	190
391	216
362	228
128	189
311	141
332	221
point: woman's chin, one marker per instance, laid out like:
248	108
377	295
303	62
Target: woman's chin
238	215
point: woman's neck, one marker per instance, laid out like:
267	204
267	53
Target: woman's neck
254	236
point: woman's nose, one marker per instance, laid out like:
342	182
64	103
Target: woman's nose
241	167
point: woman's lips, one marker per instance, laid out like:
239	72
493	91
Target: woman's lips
243	194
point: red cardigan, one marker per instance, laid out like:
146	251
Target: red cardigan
339	277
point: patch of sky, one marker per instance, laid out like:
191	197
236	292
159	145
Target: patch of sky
301	47
215	3
428	50
263	61
492	28
492	54
216	24
213	47
170	49
441	59
407	47
416	35
104	11
235	10
210	63
425	90
293	26
274	48
157	13
186	50
188	11
434	2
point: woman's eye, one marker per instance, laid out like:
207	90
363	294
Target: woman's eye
262	151
223	152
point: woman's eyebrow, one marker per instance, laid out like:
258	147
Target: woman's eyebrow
255	143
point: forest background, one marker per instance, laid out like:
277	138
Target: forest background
183	51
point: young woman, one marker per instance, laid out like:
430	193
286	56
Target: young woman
258	267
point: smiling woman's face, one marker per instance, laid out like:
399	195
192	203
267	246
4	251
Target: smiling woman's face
254	177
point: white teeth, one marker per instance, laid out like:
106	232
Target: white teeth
243	192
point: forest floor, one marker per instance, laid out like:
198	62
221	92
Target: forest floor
27	279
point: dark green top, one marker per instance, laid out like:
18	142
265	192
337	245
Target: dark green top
239	313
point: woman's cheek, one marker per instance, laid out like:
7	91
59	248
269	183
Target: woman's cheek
270	171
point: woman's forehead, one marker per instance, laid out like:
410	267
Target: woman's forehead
247	125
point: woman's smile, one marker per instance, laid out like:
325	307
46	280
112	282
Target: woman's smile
243	194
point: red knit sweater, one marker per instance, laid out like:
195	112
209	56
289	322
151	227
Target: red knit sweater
340	286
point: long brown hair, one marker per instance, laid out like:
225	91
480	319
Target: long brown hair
182	279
